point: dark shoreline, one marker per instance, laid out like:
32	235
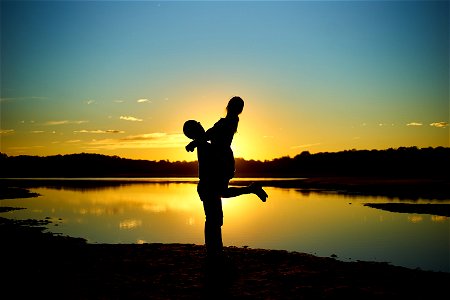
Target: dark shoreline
442	210
38	264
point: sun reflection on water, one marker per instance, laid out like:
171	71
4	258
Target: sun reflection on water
130	224
415	219
439	218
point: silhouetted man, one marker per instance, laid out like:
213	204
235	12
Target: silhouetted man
212	186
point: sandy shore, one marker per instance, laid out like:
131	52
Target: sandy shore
38	264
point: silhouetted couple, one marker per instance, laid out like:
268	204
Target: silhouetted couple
216	168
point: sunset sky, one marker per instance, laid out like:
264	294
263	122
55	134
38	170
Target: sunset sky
121	77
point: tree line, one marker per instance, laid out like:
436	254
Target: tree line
401	162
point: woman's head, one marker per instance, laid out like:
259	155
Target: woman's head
235	105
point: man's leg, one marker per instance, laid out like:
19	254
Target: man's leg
213	225
212	205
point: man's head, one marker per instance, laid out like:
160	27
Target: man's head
193	129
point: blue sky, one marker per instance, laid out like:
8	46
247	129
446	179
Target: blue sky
315	75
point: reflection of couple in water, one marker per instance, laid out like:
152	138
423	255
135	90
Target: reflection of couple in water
216	168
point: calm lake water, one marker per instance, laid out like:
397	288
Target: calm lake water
319	223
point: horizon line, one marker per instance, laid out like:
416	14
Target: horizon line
246	159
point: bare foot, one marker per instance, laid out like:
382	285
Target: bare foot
256	189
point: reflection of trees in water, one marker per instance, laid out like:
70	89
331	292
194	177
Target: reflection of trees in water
81	185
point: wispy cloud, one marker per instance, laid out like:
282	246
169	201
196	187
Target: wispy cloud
63	122
98	131
130	118
439	124
25	147
37	131
143	100
305	146
73	141
146	136
142	141
6	131
22	98
414	124
90	101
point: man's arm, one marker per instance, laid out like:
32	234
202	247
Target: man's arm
191	146
195	143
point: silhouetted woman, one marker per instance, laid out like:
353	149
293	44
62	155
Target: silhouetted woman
221	135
